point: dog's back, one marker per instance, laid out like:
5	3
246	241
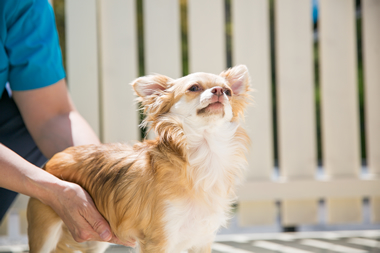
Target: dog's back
118	181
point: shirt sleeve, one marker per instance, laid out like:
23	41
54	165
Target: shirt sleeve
32	46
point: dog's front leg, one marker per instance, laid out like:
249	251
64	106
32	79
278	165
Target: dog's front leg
44	227
153	248
204	249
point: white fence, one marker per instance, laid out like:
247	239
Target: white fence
102	59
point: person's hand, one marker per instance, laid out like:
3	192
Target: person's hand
77	210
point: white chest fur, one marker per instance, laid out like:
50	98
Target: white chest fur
213	157
213	164
189	224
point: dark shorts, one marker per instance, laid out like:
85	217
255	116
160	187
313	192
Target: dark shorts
14	135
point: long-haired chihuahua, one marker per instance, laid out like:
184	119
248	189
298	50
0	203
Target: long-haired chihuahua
169	194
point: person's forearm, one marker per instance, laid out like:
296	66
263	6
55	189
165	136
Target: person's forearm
68	200
63	131
21	176
52	120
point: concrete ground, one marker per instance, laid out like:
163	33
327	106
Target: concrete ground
359	241
320	238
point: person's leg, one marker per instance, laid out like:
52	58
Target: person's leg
14	135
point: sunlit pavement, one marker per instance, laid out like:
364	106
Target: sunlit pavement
266	239
365	241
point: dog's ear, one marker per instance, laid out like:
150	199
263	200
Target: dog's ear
152	84
154	98
238	79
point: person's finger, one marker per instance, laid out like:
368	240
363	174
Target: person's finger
98	223
81	230
79	213
129	243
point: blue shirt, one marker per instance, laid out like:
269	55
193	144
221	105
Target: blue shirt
30	56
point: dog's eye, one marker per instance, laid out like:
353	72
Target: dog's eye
227	92
195	87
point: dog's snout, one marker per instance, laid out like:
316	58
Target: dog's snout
217	91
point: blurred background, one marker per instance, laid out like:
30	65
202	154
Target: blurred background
59	8
314	164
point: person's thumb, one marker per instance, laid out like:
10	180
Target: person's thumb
102	228
97	221
105	235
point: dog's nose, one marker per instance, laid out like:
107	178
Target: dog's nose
217	91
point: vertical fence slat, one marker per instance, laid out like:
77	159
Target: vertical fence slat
118	68
251	47
162	37
340	108
296	109
371	58
82	58
207	47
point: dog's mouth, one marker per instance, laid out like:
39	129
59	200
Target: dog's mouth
212	108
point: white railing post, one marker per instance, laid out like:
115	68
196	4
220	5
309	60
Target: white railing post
207	42
162	36
340	107
118	67
251	46
82	58
296	104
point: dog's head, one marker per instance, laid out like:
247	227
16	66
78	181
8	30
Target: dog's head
200	97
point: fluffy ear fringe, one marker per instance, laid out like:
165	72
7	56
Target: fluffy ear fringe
239	81
238	78
153	96
149	85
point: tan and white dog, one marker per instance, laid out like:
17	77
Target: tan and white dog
169	194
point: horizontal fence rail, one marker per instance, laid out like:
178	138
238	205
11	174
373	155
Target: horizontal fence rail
315	122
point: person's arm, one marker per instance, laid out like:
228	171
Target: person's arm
55	125
69	200
52	120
